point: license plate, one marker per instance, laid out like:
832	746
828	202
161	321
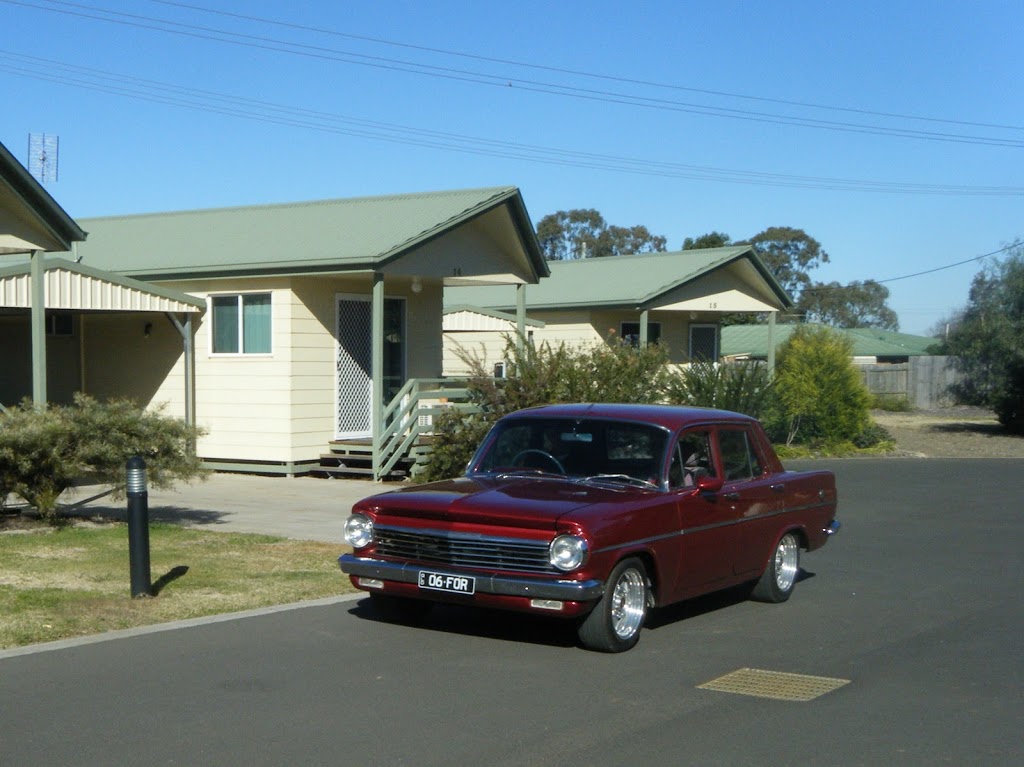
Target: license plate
454	584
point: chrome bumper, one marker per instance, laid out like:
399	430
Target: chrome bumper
833	527
502	585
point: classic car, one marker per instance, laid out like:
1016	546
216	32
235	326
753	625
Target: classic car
596	513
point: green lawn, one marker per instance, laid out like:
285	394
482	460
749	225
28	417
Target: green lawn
71	581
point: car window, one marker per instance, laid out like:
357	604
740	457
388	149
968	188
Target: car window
739	459
691	459
576	447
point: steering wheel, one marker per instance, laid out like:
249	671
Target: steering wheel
522	453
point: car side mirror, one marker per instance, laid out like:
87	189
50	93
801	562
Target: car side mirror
709	484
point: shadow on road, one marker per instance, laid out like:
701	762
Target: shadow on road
540	629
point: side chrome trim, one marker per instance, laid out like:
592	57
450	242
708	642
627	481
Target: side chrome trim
716	525
565	591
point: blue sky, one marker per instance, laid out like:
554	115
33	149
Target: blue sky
797	99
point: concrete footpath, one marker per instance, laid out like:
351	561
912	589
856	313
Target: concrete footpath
304	508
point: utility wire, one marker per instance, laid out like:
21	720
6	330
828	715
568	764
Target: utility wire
481	78
826	288
49	70
581	73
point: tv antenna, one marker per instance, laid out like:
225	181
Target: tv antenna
43	152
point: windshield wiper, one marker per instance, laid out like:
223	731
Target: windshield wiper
523	472
621	478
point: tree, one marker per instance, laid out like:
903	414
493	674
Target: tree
709	240
583	233
987	341
857	305
542	375
789	255
819	392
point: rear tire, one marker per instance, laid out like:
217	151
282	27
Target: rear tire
615	622
779	577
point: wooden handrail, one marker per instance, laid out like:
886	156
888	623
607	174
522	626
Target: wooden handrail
401	427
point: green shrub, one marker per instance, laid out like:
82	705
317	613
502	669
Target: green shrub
542	375
893	403
37	455
820	395
744	387
872	435
44	452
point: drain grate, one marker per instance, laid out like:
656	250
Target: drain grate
774	684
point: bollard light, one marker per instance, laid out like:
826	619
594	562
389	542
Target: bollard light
138	527
136	467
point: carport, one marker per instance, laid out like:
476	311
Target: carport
48	290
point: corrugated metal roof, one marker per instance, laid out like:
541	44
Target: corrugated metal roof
77	287
327	235
752	340
617	280
477	319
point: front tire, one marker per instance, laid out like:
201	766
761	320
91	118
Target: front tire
779	577
615	622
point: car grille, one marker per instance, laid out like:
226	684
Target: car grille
461	550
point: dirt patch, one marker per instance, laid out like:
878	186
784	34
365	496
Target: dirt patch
958	432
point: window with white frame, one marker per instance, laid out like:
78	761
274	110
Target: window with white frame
241	323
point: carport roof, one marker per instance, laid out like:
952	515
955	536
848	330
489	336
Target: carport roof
77	287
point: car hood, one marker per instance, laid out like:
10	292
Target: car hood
530	502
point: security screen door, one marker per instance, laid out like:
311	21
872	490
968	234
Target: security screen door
354	361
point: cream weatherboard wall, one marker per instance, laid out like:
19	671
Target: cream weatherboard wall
277	408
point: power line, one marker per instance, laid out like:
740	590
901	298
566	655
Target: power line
950	266
502	80
49	70
826	288
583	73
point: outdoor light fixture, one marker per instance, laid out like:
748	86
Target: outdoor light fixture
417	286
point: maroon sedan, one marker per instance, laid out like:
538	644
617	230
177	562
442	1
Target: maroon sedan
596	513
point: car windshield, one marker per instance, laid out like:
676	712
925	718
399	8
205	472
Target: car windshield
590	449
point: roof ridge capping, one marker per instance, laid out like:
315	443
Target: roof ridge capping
728	250
492	191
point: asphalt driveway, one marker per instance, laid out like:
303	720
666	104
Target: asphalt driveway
915	604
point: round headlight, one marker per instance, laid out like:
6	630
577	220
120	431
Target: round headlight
358	531
568	552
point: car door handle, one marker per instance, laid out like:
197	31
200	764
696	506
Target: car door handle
779	487
731	496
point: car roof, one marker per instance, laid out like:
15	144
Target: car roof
668	416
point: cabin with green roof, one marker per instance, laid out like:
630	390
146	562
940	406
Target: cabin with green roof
315	327
676	299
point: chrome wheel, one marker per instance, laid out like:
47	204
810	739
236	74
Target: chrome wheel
787	563
615	622
781	573
628	604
